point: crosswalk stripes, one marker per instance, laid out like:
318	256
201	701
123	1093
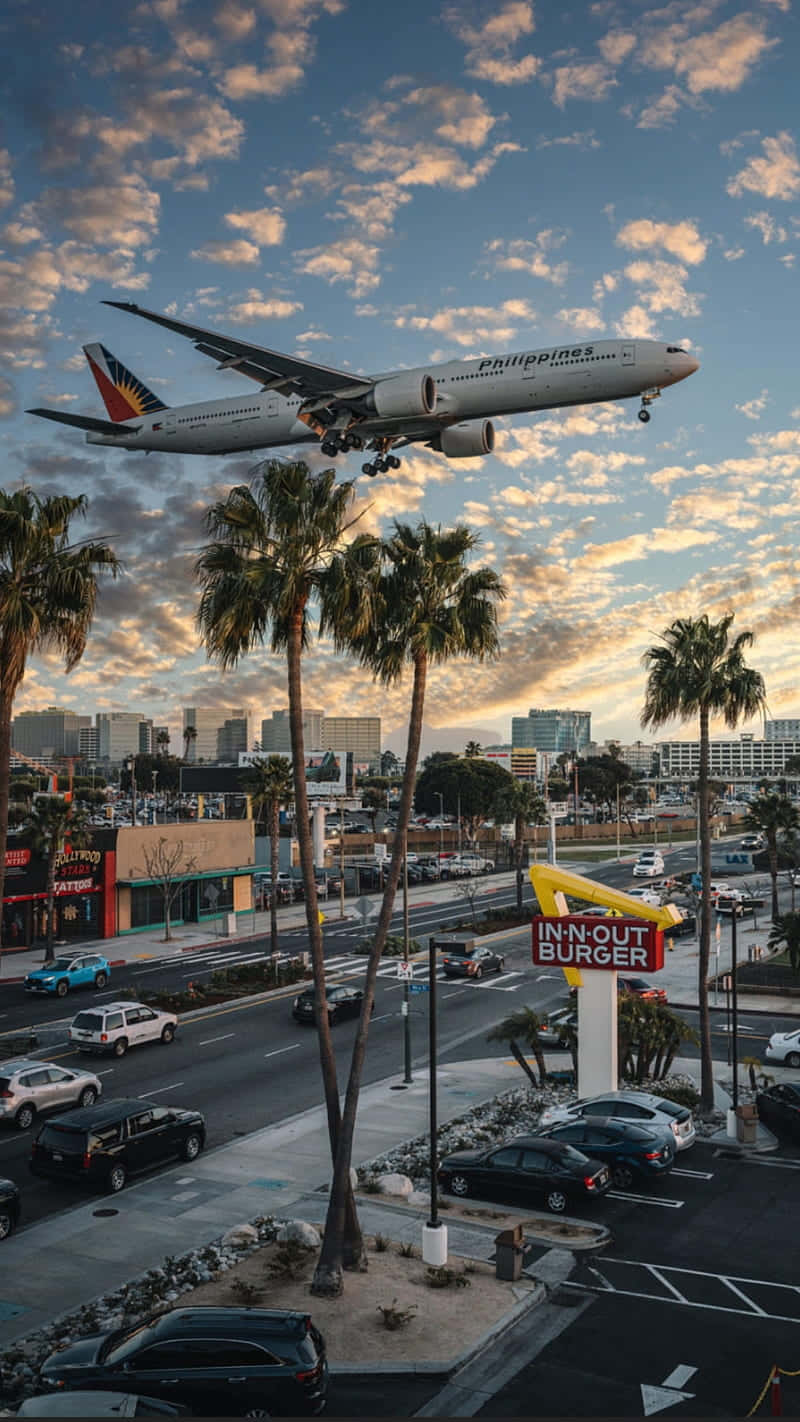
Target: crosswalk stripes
691	1288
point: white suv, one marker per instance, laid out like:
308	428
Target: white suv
119	1025
649	862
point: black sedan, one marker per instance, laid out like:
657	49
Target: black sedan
9	1207
343	1000
523	1171
632	1152
460	961
779	1107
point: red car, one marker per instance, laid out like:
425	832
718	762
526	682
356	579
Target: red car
638	987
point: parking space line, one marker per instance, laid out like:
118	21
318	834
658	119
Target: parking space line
279	1050
657	1200
694	1174
681	1298
754	1306
208	1040
161	1089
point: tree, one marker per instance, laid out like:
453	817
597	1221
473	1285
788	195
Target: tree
475	786
426	606
773	815
473	748
52	821
524	803
48	592
786	930
699	670
189	738
168	867
373	799
270	556
522	1026
270	784
390	765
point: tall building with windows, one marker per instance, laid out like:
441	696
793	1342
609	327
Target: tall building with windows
122	733
359	734
231	739
782	730
745	760
207	722
87	743
553	731
47	734
275	734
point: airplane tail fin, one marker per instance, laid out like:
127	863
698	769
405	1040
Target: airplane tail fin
123	394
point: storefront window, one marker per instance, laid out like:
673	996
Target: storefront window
147	905
216	895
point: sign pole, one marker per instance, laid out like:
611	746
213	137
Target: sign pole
407	1077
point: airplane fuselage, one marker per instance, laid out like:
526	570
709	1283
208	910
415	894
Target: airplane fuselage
486	387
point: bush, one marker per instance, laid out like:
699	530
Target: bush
394	1317
681	1095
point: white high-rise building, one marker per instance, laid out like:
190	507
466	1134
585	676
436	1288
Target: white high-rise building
122	733
207	721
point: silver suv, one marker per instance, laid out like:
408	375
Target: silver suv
29	1088
116	1026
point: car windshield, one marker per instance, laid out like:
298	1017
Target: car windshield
61	965
671	1108
123	1344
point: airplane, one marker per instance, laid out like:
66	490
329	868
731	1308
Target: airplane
450	408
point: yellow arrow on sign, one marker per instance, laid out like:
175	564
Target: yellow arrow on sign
320	918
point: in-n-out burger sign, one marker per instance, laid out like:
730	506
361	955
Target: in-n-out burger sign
619	944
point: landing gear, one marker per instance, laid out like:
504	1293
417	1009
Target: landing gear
644	415
648	396
334	443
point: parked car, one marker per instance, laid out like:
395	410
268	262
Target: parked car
632	1152
71	971
779	1106
344	1000
523	1170
98	1404
649	863
464	865
645	896
9	1207
784	1047
426	873
550	1032
29	1088
451	866
102	1145
687	927
640	987
642	1106
461	961
221	1362
116	1026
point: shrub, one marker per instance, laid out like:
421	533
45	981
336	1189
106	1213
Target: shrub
408	1250
290	1260
681	1095
394	1317
245	1292
444	1278
381	1244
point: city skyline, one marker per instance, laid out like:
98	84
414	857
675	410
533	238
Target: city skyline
500	179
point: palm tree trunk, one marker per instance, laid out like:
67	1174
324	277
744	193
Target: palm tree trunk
273	864
519	830
772	845
706	1065
519	1057
335	1219
6	701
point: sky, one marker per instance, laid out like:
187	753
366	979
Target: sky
377	187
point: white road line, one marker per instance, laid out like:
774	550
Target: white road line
688	1303
681	1298
694	1174
383	1017
645	1200
161	1089
774	1161
754	1306
679	1376
279	1050
107	1072
208	1040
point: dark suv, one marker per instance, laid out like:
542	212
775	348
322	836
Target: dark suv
9	1207
103	1145
222	1362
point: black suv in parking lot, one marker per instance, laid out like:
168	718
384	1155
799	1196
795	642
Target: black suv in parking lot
9	1207
222	1362
102	1145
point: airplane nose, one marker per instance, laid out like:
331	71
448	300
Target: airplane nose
692	365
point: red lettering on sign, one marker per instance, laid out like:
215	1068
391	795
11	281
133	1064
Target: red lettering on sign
613	944
17	858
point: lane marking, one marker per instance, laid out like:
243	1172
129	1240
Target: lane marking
693	1174
279	1050
161	1089
657	1274
754	1306
679	1376
107	1071
208	1040
645	1200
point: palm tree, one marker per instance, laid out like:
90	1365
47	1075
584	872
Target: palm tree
426	606
524	802
522	1026
699	670
270	784
270	556
48	824
773	814
472	749
48	591
162	741
786	930
189	738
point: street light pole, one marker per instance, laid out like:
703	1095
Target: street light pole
434	1234
154	774
619	852
734	1013
407	1077
131	764
440	798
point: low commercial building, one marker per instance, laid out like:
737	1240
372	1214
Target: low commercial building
746	759
214	861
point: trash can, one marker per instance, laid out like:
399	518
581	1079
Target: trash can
509	1247
746	1124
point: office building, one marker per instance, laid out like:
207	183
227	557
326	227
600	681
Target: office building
48	734
121	734
639	757
206	721
782	730
231	739
519	761
275	735
553	731
87	743
359	734
745	760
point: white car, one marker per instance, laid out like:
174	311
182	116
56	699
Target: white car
784	1047
645	896
116	1026
649	863
640	1106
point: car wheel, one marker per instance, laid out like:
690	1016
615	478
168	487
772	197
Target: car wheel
88	1096
100	980
24	1117
331	1018
622	1177
477	974
115	1180
556	1201
459	1185
168	1033
501	962
120	1046
793	1059
257	1413
192	1146
6	1224
62	988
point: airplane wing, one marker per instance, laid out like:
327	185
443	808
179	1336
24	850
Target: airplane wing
85	422
315	384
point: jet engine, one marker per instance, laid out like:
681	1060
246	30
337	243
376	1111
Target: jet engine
468	439
403	396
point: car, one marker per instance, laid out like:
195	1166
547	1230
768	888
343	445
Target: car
642	1106
685	928
648	864
463	961
784	1047
98	1404
103	1145
645	896
554	1029
344	1000
221	1362
631	1152
640	987
71	971
525	1169
116	1026
9	1207
753	841
467	864
452	866
30	1088
779	1106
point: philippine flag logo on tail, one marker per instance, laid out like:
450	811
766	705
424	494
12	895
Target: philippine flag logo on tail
123	394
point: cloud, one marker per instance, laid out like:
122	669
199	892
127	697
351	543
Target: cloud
6	179
581	318
617	45
754	409
371	207
662	287
464	118
122	212
638	546
236	253
775	175
263	225
473	325
581	138
771	231
350	261
721	59
521	255
257	307
490	45
680	239
663	110
591	82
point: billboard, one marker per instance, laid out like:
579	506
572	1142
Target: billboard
612	944
735	862
329	773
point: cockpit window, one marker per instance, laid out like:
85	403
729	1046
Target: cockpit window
676	350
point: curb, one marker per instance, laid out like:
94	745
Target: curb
602	1234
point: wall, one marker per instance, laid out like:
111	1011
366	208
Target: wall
221	844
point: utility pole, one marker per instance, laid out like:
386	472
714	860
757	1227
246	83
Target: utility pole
154	774
407	1077
131	766
619	854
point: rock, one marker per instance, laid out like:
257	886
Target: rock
300	1231
395	1185
419	1197
240	1236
